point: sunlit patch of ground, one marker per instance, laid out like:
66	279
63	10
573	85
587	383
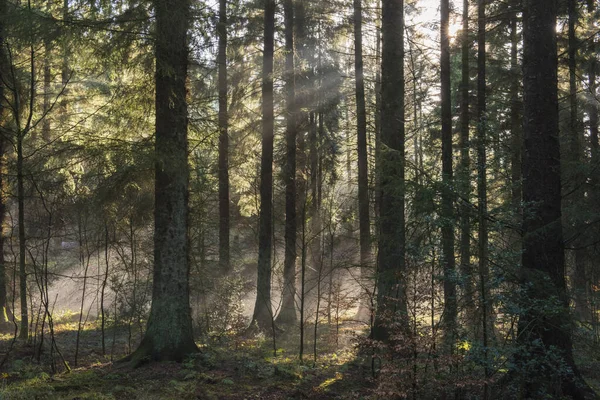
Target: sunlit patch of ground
234	368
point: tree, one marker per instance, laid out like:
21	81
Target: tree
263	314
224	255
464	168
3	78
593	106
361	127
516	123
169	336
575	151
544	323
482	178
391	296
447	207
288	305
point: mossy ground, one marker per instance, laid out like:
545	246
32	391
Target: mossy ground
228	368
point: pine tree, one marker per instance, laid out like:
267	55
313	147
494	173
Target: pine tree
544	323
224	252
169	336
391	286
263	314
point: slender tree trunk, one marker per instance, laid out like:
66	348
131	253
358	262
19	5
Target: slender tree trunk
447	207
377	195
302	278
288	305
482	181
464	171
169	331
363	173
516	121
224	253
262	308
391	296
593	109
544	324
103	290
314	211
47	83
4	317
24	329
576	136
65	71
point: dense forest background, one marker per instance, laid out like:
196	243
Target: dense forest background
299	198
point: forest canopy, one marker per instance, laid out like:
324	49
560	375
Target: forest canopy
272	199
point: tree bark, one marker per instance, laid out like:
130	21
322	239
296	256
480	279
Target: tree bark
363	173
263	313
593	110
544	324
447	209
391	295
516	120
482	181
224	251
575	139
169	336
24	327
288	305
4	317
464	171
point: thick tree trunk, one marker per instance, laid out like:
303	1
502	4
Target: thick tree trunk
288	305
544	324
263	313
447	206
391	285
169	336
363	173
224	254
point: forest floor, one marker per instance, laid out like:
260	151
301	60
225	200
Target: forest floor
228	368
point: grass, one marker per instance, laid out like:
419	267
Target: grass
233	368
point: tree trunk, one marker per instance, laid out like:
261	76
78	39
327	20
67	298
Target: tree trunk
516	121
288	305
263	313
575	136
377	121
544	324
447	209
169	334
465	172
391	296
593	110
4	317
363	173
224	254
482	181
65	72
24	327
